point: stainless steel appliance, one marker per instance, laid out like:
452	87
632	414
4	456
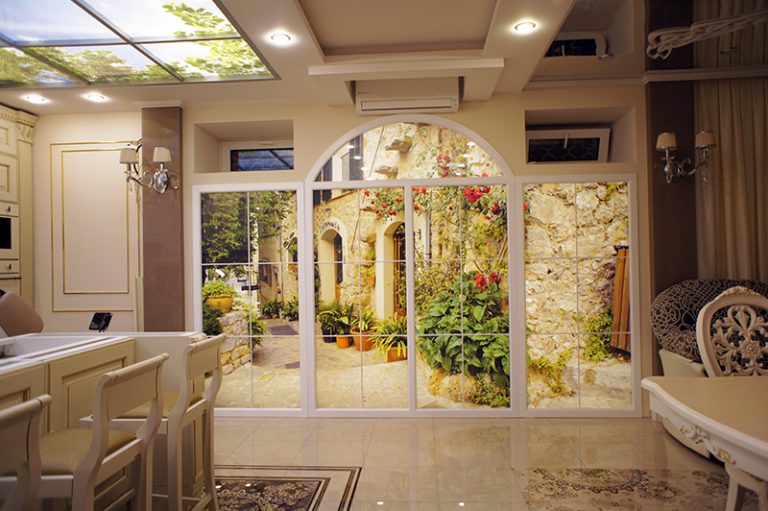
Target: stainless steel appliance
9	231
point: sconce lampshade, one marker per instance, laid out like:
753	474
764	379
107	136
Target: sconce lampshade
161	155
705	139
128	155
666	141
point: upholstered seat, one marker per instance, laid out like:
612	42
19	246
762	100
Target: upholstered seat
18	318
675	310
62	451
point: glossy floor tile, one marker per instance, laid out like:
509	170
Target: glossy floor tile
488	464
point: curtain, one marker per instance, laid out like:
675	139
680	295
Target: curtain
732	194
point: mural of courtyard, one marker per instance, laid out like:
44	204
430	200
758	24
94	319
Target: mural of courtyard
453	238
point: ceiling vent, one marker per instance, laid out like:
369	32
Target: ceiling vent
428	95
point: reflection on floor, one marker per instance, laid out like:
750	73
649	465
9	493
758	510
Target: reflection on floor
488	464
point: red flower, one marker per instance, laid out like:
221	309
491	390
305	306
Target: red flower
423	190
487	217
480	282
444	171
526	207
496	209
392	212
485	174
493	277
485	189
366	192
416	207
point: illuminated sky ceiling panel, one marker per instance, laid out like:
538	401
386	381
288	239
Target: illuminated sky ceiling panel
80	42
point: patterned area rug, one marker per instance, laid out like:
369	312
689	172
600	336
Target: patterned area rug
632	489
259	488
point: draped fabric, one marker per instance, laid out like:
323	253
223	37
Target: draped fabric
732	194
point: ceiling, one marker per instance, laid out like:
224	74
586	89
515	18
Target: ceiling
338	42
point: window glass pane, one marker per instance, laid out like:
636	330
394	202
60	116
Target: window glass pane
436	223
21	69
577	295
408	150
221	58
25	21
261	159
116	63
150	18
224	228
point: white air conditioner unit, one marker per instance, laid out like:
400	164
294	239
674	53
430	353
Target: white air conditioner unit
427	95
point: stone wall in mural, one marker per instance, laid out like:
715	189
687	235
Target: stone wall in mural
576	236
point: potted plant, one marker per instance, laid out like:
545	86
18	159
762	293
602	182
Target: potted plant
391	341
362	327
218	294
335	320
326	316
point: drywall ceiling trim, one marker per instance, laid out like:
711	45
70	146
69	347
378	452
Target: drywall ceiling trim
480	75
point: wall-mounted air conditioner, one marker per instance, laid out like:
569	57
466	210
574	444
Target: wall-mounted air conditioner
427	95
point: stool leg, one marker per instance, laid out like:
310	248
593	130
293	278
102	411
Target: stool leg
174	468
208	475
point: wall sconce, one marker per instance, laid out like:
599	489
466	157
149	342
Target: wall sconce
159	180
673	169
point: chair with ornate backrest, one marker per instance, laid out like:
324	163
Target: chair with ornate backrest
19	429
732	334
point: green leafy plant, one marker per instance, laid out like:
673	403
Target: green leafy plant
391	334
552	372
596	343
337	318
217	288
326	316
258	329
211	324
272	309
472	305
365	320
291	309
486	392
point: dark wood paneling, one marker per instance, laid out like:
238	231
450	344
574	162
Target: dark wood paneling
163	226
666	14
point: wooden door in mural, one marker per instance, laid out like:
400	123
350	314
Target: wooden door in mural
338	266
398	240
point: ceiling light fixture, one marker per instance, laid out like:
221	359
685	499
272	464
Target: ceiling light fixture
35	98
524	27
96	97
280	38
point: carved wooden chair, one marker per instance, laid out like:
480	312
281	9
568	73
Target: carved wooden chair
19	430
732	334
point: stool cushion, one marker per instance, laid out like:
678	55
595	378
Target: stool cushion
62	451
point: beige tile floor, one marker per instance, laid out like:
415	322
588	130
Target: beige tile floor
444	464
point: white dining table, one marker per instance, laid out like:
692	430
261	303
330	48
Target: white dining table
729	416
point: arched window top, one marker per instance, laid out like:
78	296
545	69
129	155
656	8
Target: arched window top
408	150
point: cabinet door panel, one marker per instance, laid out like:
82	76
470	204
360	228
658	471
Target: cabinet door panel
72	381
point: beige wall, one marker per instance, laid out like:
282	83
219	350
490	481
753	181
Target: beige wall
86	227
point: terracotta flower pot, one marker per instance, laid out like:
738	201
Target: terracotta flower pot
363	341
343	341
223	303
394	354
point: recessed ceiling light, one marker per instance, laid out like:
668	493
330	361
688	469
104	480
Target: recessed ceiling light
35	98
524	27
96	97
280	38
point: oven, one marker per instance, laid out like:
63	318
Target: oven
9	231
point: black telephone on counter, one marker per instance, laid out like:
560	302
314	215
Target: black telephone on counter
100	321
